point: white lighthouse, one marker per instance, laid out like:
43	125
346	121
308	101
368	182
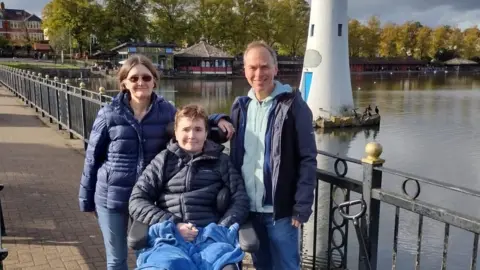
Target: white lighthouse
325	84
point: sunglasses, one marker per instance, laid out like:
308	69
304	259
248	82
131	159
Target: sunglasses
145	78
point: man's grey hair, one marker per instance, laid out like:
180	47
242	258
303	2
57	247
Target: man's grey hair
261	44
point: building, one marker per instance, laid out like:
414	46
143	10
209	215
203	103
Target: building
203	59
386	64
19	26
160	54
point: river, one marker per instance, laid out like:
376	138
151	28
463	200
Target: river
430	127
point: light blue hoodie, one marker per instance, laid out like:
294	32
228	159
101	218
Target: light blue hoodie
254	142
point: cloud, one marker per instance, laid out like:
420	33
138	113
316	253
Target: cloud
460	13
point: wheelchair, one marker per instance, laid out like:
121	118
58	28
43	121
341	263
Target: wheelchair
248	240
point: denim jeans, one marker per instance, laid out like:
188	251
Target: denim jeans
114	227
279	243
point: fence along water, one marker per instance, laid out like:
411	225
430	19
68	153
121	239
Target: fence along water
74	109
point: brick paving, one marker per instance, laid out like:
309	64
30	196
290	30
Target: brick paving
40	168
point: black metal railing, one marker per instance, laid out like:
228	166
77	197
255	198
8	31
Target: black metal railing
348	198
72	108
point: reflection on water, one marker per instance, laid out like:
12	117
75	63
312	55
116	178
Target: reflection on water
429	128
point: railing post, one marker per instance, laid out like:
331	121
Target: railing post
57	97
28	89
69	116
40	89
102	92
84	116
370	223
47	81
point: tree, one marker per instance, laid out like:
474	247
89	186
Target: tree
423	42
371	37
294	26
439	40
455	41
388	38
269	25
170	20
74	15
406	38
122	21
471	42
355	38
60	40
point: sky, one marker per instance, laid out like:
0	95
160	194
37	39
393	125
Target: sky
460	13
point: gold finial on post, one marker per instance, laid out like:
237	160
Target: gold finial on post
373	151
67	81
55	79
82	85
101	90
47	76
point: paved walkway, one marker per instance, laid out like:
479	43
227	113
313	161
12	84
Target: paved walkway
41	170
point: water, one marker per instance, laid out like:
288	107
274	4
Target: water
430	127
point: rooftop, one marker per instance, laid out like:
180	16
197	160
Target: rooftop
203	50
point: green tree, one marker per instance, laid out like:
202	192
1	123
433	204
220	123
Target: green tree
123	21
170	20
74	15
294	26
60	40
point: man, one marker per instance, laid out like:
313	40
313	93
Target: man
274	148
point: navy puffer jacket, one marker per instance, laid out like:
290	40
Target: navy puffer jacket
180	187
119	149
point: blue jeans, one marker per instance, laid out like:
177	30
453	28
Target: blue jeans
279	246
114	227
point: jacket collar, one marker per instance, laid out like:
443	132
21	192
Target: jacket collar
211	150
122	100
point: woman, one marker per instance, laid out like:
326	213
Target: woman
182	182
125	137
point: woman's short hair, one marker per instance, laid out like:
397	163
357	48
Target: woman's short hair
133	60
192	111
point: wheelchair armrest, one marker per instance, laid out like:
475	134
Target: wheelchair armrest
138	235
247	238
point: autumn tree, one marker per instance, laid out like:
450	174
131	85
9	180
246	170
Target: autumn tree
471	42
423	42
439	39
388	38
355	38
371	37
407	38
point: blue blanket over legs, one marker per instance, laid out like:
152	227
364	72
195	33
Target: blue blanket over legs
214	247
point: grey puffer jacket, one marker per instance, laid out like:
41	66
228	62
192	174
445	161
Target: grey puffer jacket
183	188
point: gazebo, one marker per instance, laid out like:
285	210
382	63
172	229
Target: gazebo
464	64
203	59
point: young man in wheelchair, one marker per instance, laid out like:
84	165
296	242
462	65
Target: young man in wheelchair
188	186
